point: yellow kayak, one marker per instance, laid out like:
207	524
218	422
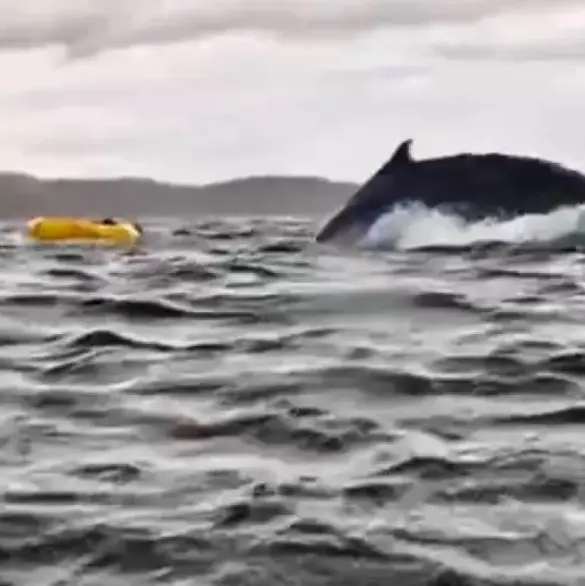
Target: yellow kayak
82	230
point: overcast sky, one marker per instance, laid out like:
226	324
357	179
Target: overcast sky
203	90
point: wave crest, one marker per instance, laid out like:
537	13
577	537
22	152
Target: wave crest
416	226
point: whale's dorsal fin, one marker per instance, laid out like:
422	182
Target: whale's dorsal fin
402	154
400	158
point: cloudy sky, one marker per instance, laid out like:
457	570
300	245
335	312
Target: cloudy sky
203	90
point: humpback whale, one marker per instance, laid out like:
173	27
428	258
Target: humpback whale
474	186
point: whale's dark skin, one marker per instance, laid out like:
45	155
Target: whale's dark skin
474	186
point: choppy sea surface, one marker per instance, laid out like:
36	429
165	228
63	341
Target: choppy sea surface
231	404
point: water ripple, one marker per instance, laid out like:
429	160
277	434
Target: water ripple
229	405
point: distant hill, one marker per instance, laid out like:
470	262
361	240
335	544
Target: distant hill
26	196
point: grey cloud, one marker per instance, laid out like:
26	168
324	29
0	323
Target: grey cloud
544	50
116	25
23	30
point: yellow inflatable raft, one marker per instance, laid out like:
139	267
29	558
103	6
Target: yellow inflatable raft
82	230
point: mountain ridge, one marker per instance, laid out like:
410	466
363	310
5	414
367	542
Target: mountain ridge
24	195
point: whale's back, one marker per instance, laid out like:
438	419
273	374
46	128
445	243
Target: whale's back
492	183
473	185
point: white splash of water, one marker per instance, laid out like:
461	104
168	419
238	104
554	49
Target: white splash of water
417	226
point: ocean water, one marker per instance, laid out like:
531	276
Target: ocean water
232	404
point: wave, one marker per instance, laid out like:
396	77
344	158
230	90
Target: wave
416	226
229	405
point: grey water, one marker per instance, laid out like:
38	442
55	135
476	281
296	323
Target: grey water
230	404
